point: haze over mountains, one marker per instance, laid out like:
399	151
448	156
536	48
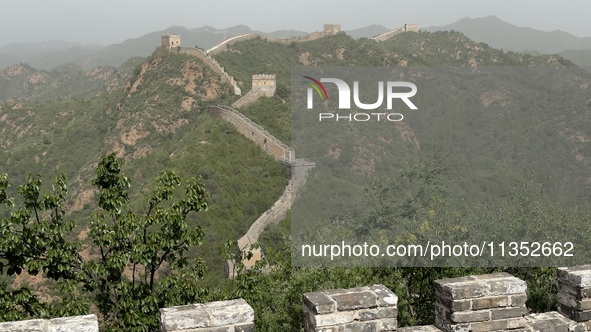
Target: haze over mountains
500	34
509	37
502	146
47	55
491	30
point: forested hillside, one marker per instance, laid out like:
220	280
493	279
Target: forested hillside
510	152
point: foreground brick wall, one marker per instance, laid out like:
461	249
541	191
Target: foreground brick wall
574	292
88	323
481	303
222	316
493	302
372	308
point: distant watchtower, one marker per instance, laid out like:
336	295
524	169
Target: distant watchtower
170	41
410	27
265	84
331	29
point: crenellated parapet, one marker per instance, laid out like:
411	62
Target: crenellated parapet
370	308
230	316
170	41
263	85
481	303
88	323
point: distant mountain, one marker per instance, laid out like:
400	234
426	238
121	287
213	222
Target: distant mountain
500	34
368	31
47	55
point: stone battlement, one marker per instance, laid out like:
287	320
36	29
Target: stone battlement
265	84
173	44
492	302
411	27
88	323
263	77
262	85
170	41
332	28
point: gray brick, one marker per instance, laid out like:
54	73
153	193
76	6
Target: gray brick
490	302
579	276
514	323
335	318
326	329
457	305
339	291
494	325
387	324
244	328
442	313
518	300
573	302
470	316
358	327
576	315
479	286
578	292
32	325
88	323
424	328
504	313
378	313
508	286
386	298
319	303
208	315
353	301
463	290
551	321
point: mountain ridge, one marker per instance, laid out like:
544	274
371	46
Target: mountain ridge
48	54
500	34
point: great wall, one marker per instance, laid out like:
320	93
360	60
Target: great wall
493	302
408	27
264	85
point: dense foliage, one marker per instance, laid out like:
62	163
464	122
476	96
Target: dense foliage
136	263
91	248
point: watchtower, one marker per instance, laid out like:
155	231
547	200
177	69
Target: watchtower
411	27
170	41
331	28
265	84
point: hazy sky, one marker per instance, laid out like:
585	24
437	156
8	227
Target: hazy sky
112	21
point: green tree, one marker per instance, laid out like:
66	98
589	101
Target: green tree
143	260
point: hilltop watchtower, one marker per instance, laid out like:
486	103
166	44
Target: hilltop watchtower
170	41
265	84
411	27
331	28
